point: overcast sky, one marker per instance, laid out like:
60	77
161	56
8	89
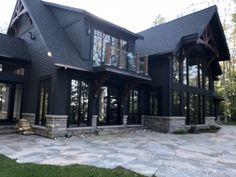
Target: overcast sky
135	15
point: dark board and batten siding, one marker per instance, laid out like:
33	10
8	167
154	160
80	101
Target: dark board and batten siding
41	65
159	70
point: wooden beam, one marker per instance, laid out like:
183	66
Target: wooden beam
200	41
99	80
18	16
128	87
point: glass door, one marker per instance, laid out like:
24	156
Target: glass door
133	114
5	98
113	110
43	102
109	106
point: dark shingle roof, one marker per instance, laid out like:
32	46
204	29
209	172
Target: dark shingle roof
12	47
57	42
137	36
165	38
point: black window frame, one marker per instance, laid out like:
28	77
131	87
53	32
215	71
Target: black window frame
78	122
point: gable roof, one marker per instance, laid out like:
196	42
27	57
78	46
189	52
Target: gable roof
12	47
167	37
94	17
55	39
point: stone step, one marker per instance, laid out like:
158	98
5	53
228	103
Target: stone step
7	129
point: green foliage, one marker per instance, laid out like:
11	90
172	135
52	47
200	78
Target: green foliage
159	20
226	86
3	27
9	168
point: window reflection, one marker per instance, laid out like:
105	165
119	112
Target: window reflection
176	103
154	103
114	51
190	71
103	97
108	106
133	117
176	72
207	106
12	69
79	103
4	100
100	41
193	72
43	102
193	109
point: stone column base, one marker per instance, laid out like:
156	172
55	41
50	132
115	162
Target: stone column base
94	121
125	120
210	121
29	116
55	126
164	124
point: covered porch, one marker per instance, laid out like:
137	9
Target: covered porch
14	63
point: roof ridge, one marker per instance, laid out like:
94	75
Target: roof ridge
75	9
176	19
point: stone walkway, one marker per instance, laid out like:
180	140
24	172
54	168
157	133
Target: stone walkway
148	153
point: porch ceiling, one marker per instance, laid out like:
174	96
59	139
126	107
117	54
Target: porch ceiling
122	73
13	48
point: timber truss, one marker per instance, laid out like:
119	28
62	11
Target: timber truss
19	11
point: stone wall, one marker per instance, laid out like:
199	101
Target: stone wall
210	121
163	124
173	124
56	126
29	116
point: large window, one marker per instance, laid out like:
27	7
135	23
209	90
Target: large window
190	71
79	101
100	42
176	71
5	68
192	106
185	72
114	51
207	106
103	99
193	72
43	108
176	103
97	47
4	100
109	106
133	117
193	109
10	101
154	103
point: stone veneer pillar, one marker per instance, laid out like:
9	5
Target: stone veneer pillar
29	116
94	121
163	124
56	125
125	120
210	121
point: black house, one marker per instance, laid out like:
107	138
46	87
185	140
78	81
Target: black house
69	71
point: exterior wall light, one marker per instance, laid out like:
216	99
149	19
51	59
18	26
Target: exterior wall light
49	54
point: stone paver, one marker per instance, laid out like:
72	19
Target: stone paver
148	153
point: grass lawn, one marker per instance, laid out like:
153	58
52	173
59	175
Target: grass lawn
9	168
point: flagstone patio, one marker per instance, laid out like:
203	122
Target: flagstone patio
145	152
